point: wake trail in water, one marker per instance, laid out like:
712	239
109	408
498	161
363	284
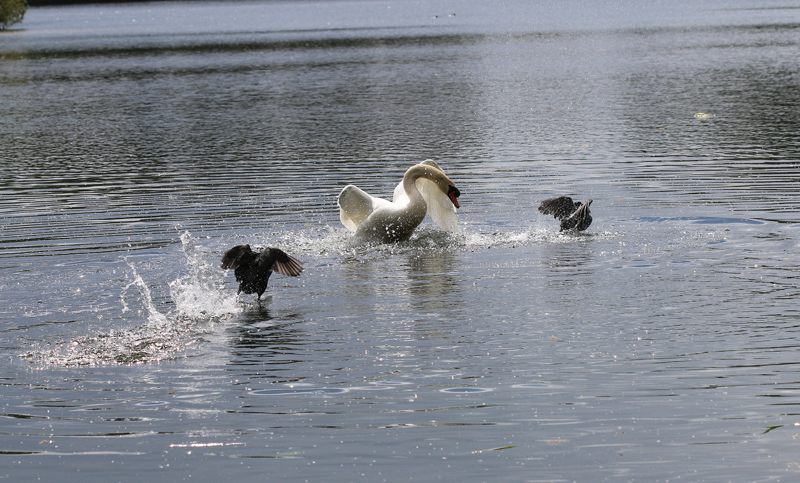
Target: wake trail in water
202	302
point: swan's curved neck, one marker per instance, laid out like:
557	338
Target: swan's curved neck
422	171
410	185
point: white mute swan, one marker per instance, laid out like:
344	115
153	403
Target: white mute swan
252	269
425	189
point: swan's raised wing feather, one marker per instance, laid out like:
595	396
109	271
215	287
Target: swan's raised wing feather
440	208
355	205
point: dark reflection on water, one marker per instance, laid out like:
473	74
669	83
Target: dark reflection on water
239	45
272	349
653	347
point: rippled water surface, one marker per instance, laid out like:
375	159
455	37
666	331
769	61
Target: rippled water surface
141	141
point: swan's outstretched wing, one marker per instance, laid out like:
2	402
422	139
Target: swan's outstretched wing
355	205
440	208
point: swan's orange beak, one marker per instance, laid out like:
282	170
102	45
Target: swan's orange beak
453	194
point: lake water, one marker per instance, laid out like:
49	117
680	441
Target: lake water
139	142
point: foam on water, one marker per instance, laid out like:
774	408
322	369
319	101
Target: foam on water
340	243
138	344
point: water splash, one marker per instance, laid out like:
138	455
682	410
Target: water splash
135	345
200	294
199	302
154	316
202	302
340	242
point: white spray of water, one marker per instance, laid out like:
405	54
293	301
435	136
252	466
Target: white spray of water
153	315
200	294
198	298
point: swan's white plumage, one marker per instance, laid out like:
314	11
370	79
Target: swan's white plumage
381	220
440	208
355	205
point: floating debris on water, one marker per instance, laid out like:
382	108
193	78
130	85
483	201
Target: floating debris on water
703	115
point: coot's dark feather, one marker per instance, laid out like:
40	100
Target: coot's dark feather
252	269
572	214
